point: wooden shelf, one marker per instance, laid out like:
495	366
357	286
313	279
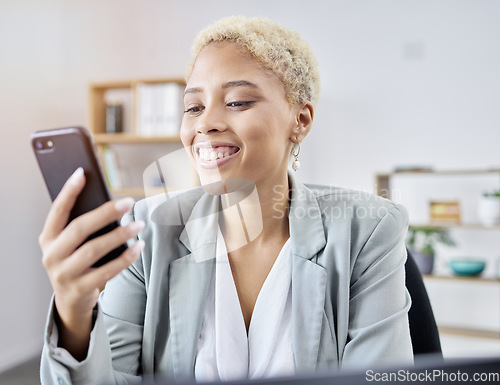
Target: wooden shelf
445	172
475	333
131	138
97	98
123	164
384	189
469	226
463	278
383	184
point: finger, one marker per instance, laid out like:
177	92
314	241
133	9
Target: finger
99	276
90	252
60	210
87	224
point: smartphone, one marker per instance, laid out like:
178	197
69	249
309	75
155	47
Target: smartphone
59	153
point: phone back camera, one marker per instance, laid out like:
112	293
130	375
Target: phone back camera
44	145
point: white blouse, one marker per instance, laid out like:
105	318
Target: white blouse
225	352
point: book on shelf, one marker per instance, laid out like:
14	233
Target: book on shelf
111	167
159	109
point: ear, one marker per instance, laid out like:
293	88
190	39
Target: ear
304	119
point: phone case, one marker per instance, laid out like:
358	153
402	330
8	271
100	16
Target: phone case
59	153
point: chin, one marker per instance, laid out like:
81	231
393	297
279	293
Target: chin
216	184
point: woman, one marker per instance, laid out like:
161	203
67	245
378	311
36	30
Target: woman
253	275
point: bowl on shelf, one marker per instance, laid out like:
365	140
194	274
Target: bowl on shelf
469	267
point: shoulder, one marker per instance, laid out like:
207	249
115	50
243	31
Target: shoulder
163	208
361	229
165	216
168	209
356	203
361	213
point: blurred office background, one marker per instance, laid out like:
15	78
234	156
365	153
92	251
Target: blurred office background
404	83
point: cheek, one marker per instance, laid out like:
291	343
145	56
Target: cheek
274	130
266	125
186	134
267	140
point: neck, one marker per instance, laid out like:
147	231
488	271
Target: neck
257	213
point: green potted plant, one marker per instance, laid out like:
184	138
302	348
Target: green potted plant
489	208
422	241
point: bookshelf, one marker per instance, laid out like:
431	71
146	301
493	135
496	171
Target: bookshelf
383	180
425	180
152	115
464	307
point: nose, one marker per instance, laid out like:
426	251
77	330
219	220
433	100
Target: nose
210	121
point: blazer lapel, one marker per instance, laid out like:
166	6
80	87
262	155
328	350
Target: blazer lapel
308	278
308	301
190	277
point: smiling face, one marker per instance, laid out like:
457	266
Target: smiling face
238	122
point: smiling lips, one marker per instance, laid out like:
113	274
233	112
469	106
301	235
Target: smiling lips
215	156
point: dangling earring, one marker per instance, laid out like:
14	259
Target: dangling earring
295	154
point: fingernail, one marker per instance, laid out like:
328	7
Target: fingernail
138	246
124	204
77	176
135	227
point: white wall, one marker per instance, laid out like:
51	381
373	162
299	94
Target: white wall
403	83
30	98
385	104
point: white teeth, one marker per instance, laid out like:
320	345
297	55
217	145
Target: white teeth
210	154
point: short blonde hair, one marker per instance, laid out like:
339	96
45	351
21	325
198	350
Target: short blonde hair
278	49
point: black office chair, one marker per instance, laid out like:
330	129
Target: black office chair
423	329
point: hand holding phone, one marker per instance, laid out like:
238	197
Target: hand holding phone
59	153
71	249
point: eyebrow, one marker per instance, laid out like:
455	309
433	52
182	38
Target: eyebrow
235	83
239	83
192	90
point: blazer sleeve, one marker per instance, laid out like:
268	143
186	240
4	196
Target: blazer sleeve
114	351
378	330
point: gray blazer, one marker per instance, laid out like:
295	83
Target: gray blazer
349	301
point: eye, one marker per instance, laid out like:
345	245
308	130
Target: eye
194	110
240	105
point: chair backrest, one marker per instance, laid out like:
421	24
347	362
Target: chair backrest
423	329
